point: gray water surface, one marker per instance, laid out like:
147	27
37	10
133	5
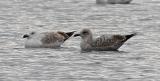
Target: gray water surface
137	60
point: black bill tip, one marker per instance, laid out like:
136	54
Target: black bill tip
25	36
76	35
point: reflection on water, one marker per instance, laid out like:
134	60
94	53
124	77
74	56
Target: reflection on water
137	60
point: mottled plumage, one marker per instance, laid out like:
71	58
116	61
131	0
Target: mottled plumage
119	1
46	39
113	1
102	43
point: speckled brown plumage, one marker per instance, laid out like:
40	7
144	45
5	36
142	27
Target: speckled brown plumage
52	37
105	42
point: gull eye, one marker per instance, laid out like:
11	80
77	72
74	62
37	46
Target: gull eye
85	32
32	33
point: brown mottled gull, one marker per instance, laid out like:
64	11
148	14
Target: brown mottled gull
102	43
113	1
46	39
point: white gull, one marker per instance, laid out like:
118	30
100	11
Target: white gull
46	39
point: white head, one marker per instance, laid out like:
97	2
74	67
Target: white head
33	40
29	36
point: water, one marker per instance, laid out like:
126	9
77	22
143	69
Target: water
137	60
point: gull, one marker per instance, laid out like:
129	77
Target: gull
46	39
102	43
113	1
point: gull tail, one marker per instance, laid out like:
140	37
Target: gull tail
70	33
129	36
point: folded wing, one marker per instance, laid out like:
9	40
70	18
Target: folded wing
110	42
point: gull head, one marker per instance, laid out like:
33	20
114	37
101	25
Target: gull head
28	36
85	33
